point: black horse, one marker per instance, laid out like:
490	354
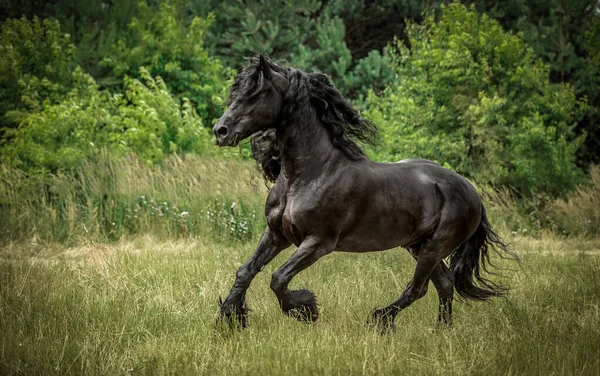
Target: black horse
328	196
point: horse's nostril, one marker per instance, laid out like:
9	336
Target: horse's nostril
222	131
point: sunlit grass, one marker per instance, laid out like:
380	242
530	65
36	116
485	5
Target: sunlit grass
110	197
144	306
118	270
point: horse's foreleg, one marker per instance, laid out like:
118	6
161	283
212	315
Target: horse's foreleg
299	303
427	261
443	280
269	246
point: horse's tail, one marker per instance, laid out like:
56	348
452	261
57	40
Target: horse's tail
473	257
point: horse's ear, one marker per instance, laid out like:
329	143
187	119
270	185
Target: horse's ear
263	66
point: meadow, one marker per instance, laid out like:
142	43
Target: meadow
121	224
148	306
79	295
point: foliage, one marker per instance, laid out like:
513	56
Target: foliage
474	98
36	65
158	40
272	27
145	120
308	34
559	33
345	39
590	152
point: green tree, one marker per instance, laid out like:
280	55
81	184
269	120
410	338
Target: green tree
36	65
473	97
160	40
146	120
559	33
308	34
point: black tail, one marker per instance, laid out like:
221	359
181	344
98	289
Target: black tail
473	257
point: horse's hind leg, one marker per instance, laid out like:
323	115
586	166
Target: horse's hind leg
269	246
299	303
428	258
443	280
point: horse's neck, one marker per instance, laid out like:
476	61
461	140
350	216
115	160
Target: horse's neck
306	147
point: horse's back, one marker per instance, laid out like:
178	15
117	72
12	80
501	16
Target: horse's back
417	160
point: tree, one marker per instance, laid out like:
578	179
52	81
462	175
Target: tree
161	41
308	34
559	33
36	65
474	98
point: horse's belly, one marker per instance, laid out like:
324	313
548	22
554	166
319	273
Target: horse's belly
368	237
362	244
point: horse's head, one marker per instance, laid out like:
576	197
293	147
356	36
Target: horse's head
256	98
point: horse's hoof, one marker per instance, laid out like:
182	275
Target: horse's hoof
303	305
306	313
234	315
382	321
444	325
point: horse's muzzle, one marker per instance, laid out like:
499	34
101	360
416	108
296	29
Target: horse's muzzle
227	140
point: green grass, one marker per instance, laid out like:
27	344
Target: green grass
101	272
145	306
110	197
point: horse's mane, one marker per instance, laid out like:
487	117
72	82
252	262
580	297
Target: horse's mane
307	90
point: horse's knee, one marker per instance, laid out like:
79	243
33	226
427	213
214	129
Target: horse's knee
243	273
414	293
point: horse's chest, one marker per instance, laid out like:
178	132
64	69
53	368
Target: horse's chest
289	225
282	218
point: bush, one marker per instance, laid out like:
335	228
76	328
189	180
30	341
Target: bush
161	41
36	66
473	98
146	120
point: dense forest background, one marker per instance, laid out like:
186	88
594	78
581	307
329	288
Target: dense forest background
503	92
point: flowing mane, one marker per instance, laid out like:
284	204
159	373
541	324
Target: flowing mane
312	91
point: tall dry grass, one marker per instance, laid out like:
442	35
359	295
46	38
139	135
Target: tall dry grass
109	197
192	196
579	213
576	214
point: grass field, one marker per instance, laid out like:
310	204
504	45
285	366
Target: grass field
143	306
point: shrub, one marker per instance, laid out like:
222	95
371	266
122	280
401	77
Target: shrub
36	65
473	98
146	120
161	41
